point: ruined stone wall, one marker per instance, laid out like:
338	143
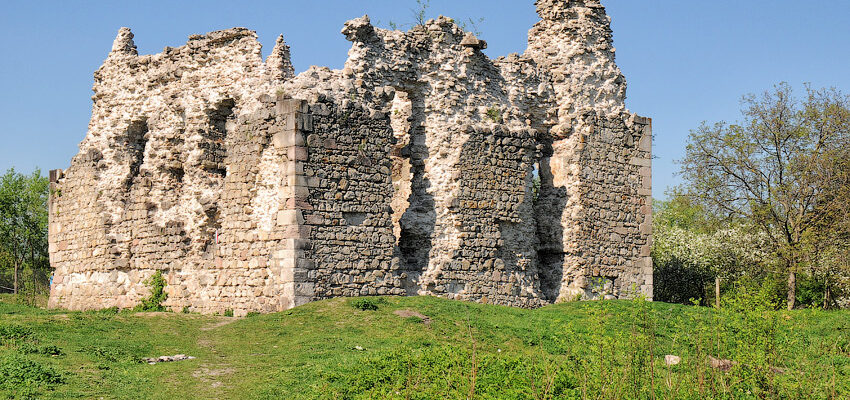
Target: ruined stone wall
497	259
347	169
163	178
409	171
617	207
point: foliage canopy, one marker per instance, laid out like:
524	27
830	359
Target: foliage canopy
782	173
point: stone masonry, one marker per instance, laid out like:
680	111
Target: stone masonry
422	167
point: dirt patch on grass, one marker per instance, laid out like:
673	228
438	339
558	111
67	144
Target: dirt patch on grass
204	372
152	314
219	324
210	375
413	314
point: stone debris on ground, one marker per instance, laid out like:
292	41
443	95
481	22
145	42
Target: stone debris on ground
721	363
161	359
670	359
725	365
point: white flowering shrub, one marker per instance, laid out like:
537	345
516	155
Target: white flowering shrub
688	253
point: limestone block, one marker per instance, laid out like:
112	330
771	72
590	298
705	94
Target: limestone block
290	217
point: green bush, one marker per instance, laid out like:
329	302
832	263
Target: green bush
813	291
13	333
110	354
156	284
365	304
228	312
677	281
47	350
17	371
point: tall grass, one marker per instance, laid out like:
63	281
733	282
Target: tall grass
744	350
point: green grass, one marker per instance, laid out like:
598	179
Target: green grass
340	349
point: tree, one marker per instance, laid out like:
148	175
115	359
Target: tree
769	169
692	253
828	246
23	224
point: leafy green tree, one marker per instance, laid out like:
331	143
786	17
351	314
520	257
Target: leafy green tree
828	246
768	169
23	225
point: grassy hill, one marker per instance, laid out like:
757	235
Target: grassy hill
426	348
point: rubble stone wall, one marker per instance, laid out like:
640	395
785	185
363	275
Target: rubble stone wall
422	167
348	213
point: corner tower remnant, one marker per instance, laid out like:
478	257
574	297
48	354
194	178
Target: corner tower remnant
410	171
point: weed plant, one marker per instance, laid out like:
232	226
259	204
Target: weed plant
156	284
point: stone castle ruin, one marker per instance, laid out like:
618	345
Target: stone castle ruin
411	171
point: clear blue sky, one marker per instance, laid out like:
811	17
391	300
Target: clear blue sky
686	61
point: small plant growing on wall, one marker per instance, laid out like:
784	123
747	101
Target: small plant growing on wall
471	25
156	283
493	114
420	13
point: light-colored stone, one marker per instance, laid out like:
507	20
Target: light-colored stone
409	171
